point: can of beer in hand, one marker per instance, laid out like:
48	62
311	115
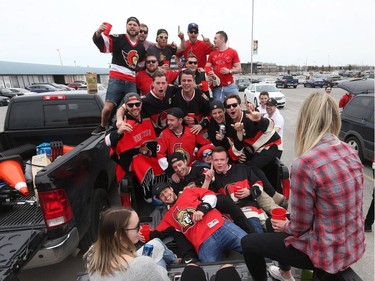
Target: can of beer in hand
147	250
222	130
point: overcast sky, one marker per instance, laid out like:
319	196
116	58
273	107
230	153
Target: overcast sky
316	32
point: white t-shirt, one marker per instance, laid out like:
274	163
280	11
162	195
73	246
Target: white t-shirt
278	120
262	110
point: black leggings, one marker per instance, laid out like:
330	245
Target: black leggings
197	274
257	246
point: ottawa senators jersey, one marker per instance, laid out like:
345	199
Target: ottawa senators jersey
168	143
196	175
179	216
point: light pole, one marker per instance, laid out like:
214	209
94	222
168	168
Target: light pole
58	50
252	40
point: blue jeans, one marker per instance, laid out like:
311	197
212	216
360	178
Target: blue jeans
168	256
255	222
117	89
227	237
219	93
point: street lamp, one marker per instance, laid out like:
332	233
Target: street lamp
252	40
58	50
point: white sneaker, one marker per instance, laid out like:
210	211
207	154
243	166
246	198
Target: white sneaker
276	274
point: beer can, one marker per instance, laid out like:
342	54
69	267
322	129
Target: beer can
147	250
222	130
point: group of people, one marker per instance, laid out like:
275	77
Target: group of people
213	153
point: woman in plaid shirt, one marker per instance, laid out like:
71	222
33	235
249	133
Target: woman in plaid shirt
325	231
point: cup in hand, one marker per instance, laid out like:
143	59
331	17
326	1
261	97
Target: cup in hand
237	189
278	214
108	29
204	86
208	69
145	231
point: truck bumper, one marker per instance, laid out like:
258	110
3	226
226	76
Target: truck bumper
55	251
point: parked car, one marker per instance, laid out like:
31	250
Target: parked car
287	81
75	85
314	82
4	101
5	92
357	118
58	86
242	83
20	90
252	93
100	87
42	88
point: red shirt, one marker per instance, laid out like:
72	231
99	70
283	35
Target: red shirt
220	59
179	217
200	49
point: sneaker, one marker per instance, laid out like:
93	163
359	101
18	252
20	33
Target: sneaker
98	130
368	228
188	259
276	274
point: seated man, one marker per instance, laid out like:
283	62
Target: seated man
133	146
193	213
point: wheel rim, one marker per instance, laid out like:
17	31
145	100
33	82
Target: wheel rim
353	144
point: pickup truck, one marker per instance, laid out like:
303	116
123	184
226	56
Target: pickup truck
286	82
62	211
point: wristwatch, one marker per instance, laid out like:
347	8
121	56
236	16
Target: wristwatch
230	71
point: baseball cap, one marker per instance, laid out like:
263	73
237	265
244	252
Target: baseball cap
160	31
203	148
132	19
271	101
176	156
159	187
131	97
176	112
216	104
193	26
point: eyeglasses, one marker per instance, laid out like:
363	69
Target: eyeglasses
193	32
228	106
151	61
131	105
192	62
143	31
135	228
205	154
163	37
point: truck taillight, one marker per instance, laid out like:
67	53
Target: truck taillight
54	97
56	207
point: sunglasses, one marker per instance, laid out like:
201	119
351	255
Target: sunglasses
228	106
135	228
163	37
151	61
143	31
192	62
131	105
193	32
205	154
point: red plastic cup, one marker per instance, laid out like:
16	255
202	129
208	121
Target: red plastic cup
145	231
208	69
108	29
278	214
191	115
167	62
204	86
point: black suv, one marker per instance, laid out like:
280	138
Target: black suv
358	118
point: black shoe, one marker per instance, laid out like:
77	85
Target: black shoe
188	259
368	228
98	130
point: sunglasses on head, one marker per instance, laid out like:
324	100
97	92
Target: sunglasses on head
131	105
163	37
193	32
205	154
143	31
234	105
192	62
151	61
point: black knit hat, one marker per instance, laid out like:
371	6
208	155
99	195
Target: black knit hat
159	187
176	112
133	19
161	30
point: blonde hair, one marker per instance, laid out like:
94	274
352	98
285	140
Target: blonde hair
105	255
318	116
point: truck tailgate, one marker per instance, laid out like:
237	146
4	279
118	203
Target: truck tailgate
16	249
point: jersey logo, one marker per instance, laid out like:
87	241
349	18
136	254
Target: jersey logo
131	58
184	218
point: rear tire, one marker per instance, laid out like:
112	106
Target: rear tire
99	203
354	142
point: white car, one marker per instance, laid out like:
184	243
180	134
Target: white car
252	93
